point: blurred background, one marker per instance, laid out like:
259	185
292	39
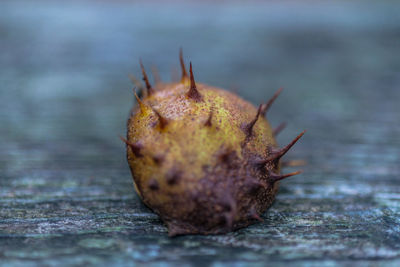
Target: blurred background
66	194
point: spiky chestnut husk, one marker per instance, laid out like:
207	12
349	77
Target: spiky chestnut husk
201	157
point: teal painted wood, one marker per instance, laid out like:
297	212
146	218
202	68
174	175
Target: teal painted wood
66	194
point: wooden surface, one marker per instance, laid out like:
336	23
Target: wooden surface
66	194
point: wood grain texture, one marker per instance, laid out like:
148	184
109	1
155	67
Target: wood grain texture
66	194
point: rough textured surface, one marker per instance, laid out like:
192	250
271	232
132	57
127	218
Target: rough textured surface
66	195
207	179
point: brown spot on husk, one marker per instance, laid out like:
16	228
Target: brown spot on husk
173	176
153	184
